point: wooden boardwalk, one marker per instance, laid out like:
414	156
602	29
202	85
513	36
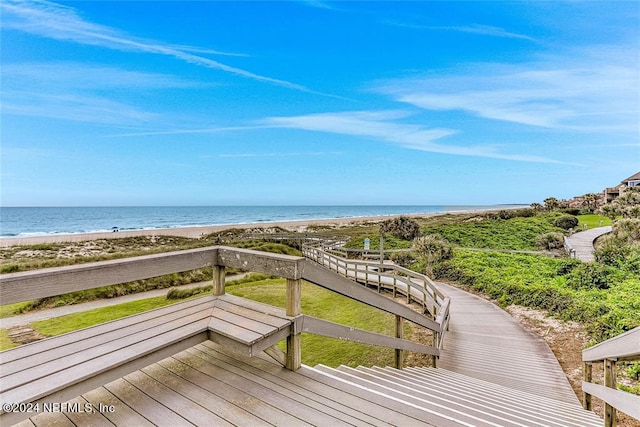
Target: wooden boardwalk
204	362
582	242
485	342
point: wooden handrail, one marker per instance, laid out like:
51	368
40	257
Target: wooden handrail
417	287
24	286
624	347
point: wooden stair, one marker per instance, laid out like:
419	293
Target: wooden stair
463	400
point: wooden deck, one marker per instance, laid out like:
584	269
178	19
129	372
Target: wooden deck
209	385
203	361
59	368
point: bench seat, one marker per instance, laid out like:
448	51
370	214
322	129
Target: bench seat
61	368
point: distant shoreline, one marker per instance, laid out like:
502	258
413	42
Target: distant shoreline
196	232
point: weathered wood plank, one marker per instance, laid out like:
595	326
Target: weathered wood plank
622	347
241	310
326	328
59	379
165	373
87	415
329	400
53	419
178	403
208	377
221	326
246	322
123	414
25	286
251	386
621	400
144	405
112	352
26	357
253	305
285	266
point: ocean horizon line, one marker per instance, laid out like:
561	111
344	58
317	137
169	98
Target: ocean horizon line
25	222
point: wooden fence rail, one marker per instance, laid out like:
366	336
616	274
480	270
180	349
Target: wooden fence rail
415	287
625	347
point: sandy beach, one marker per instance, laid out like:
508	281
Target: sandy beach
191	232
197	232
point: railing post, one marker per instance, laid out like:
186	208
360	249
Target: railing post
399	354
609	381
219	276
587	369
294	308
436	344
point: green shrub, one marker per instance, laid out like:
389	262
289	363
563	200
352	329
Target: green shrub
404	258
401	227
591	275
566	222
432	249
550	241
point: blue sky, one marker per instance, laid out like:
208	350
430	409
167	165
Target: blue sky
313	102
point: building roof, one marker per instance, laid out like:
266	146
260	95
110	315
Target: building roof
635	177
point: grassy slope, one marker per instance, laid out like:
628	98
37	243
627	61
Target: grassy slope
538	281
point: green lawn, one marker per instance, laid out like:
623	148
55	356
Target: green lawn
593	221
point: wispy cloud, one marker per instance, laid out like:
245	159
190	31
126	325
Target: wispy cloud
74	76
261	155
384	126
55	21
582	96
479	29
79	92
72	106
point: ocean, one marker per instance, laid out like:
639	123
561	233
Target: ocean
42	221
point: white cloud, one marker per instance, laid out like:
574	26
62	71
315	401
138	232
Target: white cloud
70	106
483	30
383	125
558	94
55	21
78	76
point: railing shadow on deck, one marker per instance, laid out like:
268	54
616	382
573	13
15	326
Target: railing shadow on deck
72	369
625	347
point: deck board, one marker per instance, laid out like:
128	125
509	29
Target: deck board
122	415
146	406
199	373
164	373
302	414
174	401
277	379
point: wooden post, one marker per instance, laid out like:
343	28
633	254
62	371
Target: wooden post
294	308
609	381
399	354
436	343
587	368
219	275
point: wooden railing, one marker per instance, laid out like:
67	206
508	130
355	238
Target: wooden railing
417	288
625	347
568	248
24	286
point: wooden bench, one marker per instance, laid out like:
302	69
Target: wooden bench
58	369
